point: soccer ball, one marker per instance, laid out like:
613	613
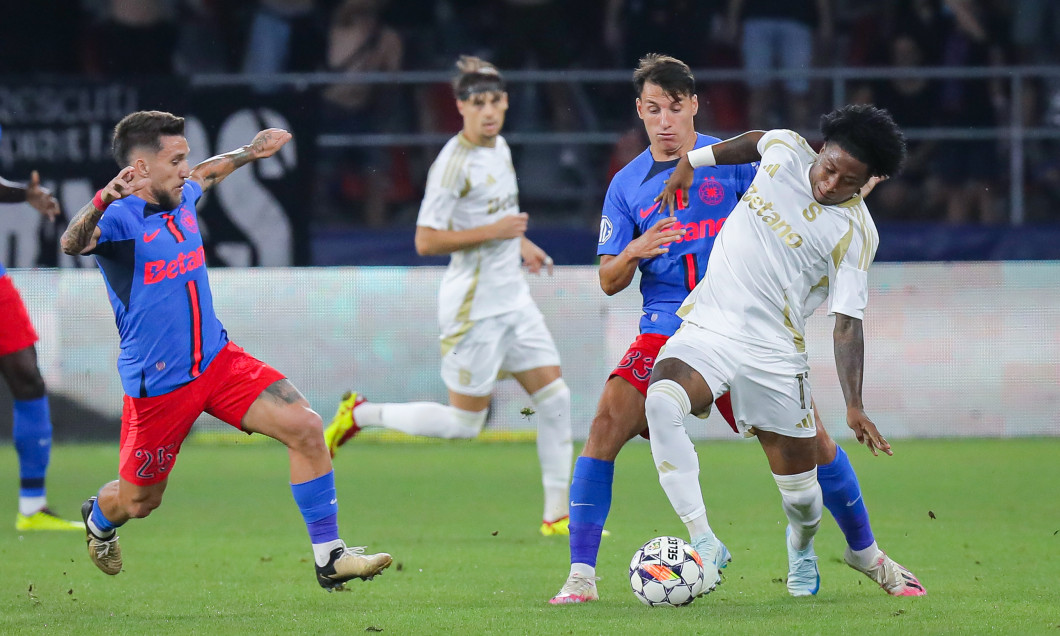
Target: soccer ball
666	571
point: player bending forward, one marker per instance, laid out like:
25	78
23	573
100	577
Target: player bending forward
488	319
799	235
635	233
176	361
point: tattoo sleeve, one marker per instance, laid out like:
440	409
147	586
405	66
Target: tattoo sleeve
848	340
215	169
11	192
79	231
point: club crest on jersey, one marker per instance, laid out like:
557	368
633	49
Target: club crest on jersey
187	220
606	229
711	191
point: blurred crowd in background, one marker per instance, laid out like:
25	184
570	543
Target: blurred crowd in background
960	182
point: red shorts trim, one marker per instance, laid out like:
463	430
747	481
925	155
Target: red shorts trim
153	428
637	364
16	330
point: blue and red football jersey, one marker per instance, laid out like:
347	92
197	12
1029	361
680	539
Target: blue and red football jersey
630	210
155	270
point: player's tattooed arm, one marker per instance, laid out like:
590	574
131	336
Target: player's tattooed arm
265	144
848	340
82	233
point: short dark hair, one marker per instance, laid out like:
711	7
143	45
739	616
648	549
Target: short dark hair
143	129
668	73
869	134
476	76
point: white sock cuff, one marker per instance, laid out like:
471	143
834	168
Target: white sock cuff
795	484
471	419
673	391
554	388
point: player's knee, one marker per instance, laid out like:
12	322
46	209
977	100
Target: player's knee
306	431
26	383
666	403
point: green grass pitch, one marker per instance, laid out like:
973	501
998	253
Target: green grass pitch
227	552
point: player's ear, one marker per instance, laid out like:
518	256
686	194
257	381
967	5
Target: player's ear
141	167
695	104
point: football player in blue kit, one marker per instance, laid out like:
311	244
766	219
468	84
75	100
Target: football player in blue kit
176	360
671	253
31	428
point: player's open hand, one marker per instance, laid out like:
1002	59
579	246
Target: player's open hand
41	198
675	195
123	185
535	258
656	240
268	141
866	432
870	185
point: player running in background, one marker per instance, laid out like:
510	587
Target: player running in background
32	424
800	235
176	361
672	254
488	319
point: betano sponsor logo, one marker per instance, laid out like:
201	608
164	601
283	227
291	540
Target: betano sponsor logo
696	230
158	271
764	210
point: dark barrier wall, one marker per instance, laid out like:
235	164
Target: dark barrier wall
63	130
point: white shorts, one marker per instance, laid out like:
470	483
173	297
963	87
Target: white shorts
770	390
512	342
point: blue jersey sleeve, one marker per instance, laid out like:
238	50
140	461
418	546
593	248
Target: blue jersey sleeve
617	225
192	191
114	225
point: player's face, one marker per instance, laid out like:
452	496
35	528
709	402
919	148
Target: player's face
483	115
167	169
836	175
668	121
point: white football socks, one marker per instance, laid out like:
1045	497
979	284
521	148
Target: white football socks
428	419
555	448
801	496
666	406
29	506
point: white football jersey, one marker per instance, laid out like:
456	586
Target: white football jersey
781	253
469	186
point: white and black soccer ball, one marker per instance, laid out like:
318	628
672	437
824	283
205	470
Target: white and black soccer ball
666	571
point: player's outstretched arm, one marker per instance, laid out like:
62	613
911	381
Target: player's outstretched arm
82	232
265	144
848	339
32	193
616	271
740	149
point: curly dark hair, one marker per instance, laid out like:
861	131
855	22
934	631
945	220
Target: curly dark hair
869	134
668	73
144	129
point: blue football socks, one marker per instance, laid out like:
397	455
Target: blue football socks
98	524
32	434
590	502
317	501
842	497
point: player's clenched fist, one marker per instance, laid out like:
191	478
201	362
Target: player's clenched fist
509	227
655	240
123	185
268	141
